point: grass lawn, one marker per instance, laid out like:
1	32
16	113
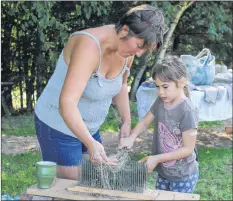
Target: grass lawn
215	182
18	172
22	125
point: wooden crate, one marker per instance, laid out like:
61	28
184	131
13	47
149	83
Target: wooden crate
68	189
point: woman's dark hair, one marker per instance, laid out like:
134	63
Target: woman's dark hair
146	22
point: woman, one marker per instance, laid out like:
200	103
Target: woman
92	71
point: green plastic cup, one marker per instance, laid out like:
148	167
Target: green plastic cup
45	174
45	182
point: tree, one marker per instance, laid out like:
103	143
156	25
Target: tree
206	24
33	35
168	39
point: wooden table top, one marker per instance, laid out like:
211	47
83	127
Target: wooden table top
75	192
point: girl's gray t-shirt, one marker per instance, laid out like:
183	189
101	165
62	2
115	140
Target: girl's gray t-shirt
170	123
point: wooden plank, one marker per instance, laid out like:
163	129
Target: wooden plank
164	195
116	193
7	83
186	196
59	191
177	195
63	194
169	195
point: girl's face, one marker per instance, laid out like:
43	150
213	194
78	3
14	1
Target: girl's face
169	91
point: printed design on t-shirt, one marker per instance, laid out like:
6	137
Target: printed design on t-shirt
169	141
174	171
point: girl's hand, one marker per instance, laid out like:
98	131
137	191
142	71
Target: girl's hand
151	162
125	130
127	142
98	155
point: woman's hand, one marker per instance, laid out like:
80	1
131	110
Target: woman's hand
125	130
98	155
151	162
127	142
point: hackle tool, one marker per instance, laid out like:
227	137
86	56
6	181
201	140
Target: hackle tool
127	175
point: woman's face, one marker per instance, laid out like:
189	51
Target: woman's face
131	46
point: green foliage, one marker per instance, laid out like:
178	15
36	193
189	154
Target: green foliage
210	124
206	24
170	9
36	30
18	172
96	8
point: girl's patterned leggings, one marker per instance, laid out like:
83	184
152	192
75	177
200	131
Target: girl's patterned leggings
185	186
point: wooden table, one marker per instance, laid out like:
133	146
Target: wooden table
68	189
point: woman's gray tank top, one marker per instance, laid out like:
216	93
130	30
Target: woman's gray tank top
94	103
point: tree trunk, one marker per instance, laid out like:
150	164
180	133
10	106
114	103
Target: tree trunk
19	66
21	90
168	38
6	73
143	64
5	107
39	75
28	77
7	111
29	91
33	76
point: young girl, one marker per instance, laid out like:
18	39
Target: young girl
176	121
